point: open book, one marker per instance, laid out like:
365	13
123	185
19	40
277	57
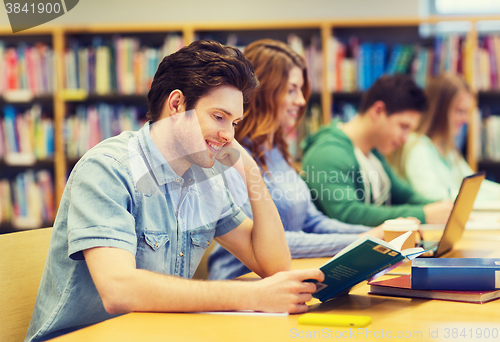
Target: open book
368	257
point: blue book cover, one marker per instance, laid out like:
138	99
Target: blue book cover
367	65
361	70
396	53
49	135
379	55
438	44
10	128
457	274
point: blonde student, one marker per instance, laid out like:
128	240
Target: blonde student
275	108
430	160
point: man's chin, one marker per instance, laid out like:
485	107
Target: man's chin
203	159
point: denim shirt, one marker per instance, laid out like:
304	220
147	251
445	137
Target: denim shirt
309	233
123	194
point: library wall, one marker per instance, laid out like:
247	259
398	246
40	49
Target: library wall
160	11
109	56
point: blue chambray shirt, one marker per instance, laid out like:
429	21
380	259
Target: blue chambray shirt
123	194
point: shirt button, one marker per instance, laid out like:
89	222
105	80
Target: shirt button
181	254
190	180
208	243
156	244
178	180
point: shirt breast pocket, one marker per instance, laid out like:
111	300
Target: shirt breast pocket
153	251
201	239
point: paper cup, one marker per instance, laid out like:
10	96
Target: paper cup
394	228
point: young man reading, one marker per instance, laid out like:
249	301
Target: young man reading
349	178
140	209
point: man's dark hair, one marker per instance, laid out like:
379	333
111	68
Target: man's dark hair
398	92
195	70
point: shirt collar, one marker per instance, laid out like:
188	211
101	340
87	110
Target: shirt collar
160	168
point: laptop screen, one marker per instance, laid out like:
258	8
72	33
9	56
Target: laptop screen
460	213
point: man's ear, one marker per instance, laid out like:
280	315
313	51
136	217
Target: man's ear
174	104
378	110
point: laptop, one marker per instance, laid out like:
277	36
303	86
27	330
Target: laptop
459	216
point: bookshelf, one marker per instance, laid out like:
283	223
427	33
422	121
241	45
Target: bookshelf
27	163
66	98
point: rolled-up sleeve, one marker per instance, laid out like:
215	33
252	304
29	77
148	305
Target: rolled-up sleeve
101	207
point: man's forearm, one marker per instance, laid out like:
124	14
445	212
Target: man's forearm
268	236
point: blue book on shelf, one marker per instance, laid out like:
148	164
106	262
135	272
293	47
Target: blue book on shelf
21	194
368	66
105	112
379	55
396	53
9	114
91	75
360	67
49	135
438	45
457	274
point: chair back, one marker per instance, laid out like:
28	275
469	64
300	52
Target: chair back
22	260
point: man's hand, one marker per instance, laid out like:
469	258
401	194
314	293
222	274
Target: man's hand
378	232
234	155
438	212
286	291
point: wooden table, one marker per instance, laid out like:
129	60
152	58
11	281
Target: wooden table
408	319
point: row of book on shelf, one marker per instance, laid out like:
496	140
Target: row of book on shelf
92	124
121	66
29	136
27	201
26	134
125	66
27	67
355	65
31	133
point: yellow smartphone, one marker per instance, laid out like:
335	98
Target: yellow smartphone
334	320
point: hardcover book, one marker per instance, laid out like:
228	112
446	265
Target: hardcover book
368	257
477	274
401	287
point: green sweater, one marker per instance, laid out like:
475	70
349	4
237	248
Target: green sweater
336	183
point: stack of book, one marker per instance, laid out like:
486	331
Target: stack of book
472	280
26	67
122	66
92	124
27	201
26	134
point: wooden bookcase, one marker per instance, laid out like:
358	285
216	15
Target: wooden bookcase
389	30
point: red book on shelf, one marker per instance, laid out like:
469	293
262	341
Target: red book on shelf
12	70
401	287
